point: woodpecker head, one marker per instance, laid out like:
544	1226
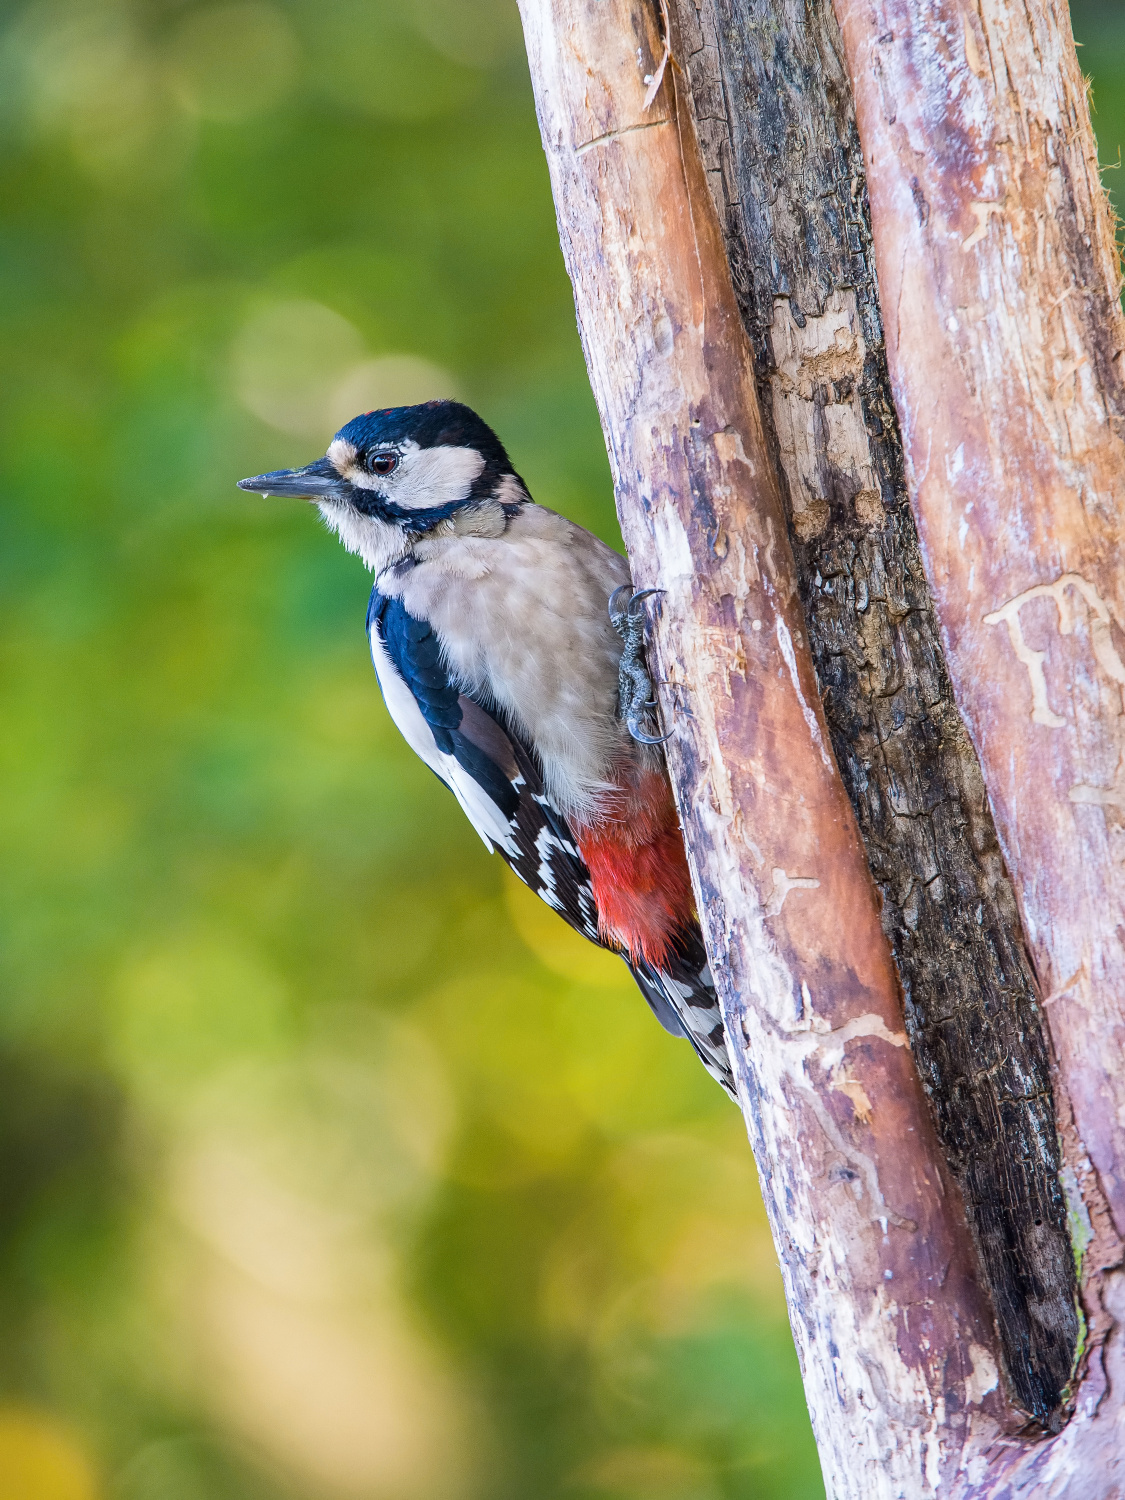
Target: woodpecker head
400	472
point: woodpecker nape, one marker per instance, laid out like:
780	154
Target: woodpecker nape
513	666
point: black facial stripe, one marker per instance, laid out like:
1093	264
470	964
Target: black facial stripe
368	503
371	503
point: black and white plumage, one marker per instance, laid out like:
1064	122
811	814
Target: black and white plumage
491	639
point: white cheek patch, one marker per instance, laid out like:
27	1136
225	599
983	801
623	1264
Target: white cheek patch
427	478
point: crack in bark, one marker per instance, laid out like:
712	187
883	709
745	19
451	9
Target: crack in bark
775	118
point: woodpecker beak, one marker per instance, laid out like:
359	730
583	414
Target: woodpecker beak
318	481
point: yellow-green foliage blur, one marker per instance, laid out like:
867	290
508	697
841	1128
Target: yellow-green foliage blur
331	1166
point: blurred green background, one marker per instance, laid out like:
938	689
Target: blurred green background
331	1165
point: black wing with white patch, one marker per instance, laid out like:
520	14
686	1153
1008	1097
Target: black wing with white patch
496	778
487	766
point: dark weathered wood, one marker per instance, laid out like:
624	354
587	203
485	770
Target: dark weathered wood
1000	284
776	122
896	1343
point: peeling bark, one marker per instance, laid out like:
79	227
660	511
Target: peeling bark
895	1339
1003	342
1000	285
776	120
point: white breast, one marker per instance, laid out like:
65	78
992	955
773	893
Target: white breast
523	622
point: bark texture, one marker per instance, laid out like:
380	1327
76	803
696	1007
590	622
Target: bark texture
896	1341
775	117
999	285
1004	342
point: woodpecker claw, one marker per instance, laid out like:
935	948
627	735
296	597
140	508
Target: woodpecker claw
634	685
616	614
634	602
639	735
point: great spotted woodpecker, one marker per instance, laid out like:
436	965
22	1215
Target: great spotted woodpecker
513	666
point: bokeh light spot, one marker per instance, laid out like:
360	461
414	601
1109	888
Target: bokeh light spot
41	1460
84	73
481	34
185	1008
392	380
288	360
231	62
292	1183
304	369
369	57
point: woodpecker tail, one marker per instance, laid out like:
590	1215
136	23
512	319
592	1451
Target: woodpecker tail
682	995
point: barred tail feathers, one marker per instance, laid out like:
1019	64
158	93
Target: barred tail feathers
681	990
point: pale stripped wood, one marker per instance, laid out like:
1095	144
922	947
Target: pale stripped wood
889	1323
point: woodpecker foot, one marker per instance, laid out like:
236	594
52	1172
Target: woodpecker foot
634	685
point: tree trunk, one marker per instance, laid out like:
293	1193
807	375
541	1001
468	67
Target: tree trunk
1006	283
775	113
740	367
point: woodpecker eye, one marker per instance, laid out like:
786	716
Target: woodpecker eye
383	463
